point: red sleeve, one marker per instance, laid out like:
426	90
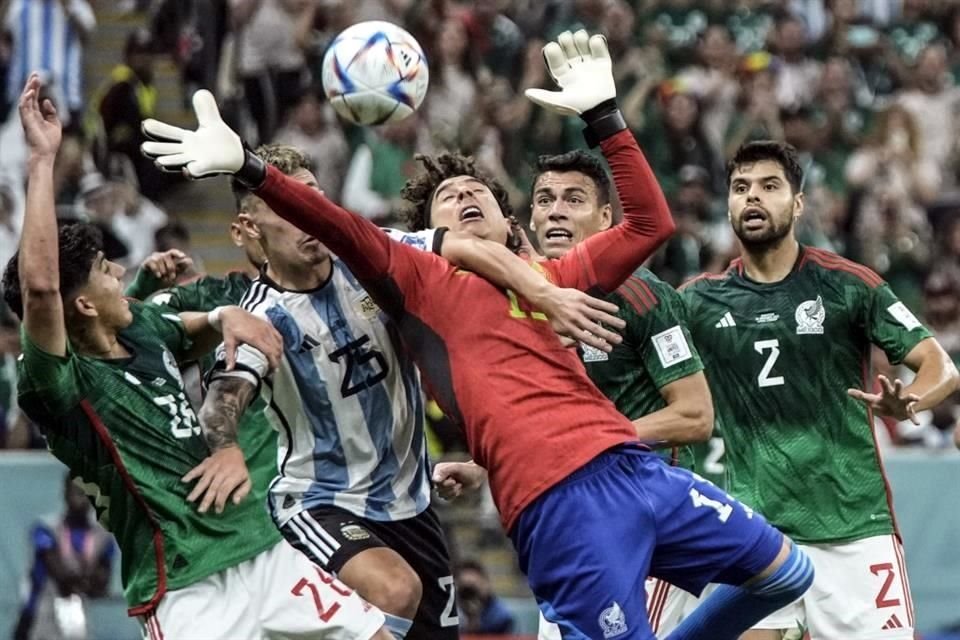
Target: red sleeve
386	268
605	260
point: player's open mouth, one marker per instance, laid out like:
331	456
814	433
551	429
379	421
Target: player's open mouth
472	212
754	218
559	234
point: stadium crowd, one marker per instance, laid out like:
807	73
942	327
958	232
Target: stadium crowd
867	90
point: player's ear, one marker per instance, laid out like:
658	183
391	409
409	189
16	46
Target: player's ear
606	216
83	305
798	204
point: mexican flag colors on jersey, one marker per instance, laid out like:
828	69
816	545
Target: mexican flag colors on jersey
779	358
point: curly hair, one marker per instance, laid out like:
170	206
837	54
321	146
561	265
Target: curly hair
79	244
418	192
284	157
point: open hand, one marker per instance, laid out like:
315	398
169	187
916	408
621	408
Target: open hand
577	315
242	327
40	122
891	401
222	475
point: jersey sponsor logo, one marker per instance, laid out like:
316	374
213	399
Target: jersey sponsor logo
309	343
904	316
671	346
893	622
766	318
726	321
354	532
810	316
592	354
613	622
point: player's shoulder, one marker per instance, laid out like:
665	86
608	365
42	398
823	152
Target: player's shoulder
835	266
644	291
423	240
708	281
260	297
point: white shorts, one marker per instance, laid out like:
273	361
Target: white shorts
277	594
860	592
667	606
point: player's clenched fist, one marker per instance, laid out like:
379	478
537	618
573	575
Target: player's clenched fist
453	479
166	266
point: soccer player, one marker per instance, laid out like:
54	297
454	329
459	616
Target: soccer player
785	334
353	490
590	511
654	377
99	375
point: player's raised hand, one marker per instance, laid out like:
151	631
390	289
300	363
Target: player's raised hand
166	266
212	149
891	401
39	119
580	65
577	315
222	475
242	327
453	479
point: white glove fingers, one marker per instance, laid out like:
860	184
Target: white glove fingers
205	106
598	47
556	60
155	149
162	131
581	40
569	48
174	160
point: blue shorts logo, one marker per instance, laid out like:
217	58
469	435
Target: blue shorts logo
613	622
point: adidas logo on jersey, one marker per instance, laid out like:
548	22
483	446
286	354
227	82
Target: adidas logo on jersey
726	321
309	343
893	622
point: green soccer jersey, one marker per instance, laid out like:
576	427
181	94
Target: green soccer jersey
656	350
256	436
780	358
128	434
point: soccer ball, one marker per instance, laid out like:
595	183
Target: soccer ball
374	72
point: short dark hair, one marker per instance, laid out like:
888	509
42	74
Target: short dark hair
581	161
79	244
469	564
170	235
284	157
419	190
780	152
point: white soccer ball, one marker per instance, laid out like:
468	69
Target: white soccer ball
375	72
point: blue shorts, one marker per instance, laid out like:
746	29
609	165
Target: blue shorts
589	542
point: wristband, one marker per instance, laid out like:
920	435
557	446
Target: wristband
215	320
603	121
253	172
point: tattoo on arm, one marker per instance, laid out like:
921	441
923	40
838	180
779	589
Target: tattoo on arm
222	409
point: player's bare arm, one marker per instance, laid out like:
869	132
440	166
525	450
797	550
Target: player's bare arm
224	473
687	418
936	379
236	327
39	258
572	313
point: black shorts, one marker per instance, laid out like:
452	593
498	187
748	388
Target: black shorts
330	536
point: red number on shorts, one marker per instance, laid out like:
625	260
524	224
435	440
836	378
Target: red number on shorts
325	614
332	582
882	599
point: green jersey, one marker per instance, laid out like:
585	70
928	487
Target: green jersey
656	350
779	358
128	434
256	437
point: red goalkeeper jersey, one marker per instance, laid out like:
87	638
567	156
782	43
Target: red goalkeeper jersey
529	411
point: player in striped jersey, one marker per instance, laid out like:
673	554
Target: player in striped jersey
353	487
785	334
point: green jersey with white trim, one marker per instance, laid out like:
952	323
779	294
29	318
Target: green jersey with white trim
779	358
127	433
656	350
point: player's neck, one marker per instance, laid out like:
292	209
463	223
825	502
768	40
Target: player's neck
94	340
771	264
299	277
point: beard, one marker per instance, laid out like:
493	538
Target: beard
765	238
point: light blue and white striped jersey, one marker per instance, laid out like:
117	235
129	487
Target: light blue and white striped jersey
46	41
346	401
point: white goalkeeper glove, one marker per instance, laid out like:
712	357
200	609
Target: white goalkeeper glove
580	65
214	148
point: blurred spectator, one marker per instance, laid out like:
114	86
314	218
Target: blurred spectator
48	37
933	104
192	31
11	221
677	25
450	103
941	304
481	610
6	52
312	127
9	352
270	58
840	122
126	99
176	235
798	74
496	44
757	115
914	30
72	555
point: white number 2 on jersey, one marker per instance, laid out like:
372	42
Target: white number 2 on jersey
765	379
